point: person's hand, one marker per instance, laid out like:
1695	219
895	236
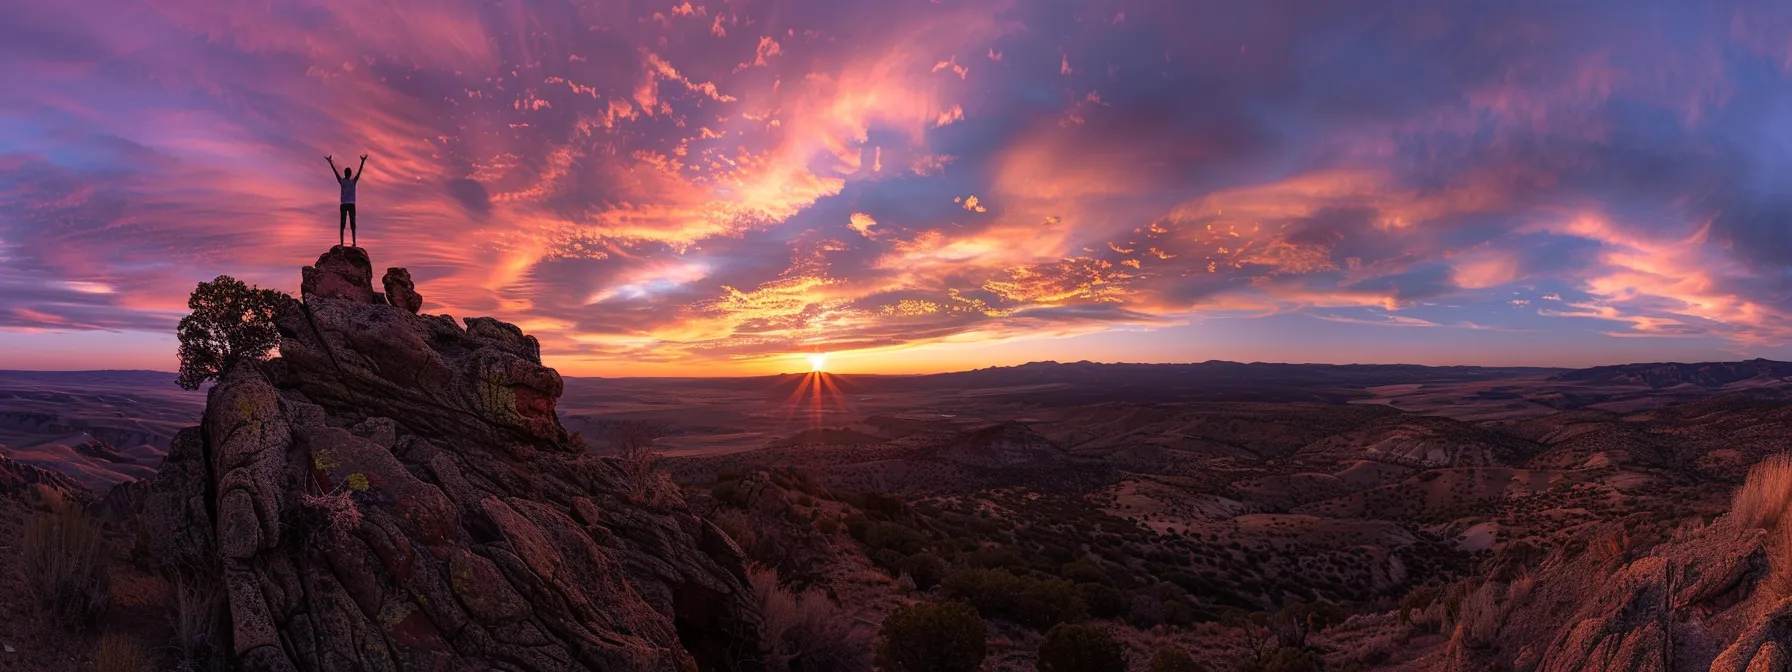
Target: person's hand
363	157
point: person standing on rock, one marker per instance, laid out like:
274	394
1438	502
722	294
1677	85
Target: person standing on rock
348	180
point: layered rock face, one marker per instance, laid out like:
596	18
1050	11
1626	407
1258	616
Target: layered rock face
395	492
1705	599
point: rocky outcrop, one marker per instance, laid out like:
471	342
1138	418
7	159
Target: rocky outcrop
395	492
16	476
1704	599
400	291
177	510
122	503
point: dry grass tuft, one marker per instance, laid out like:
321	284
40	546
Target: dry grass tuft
1610	548
1520	589
47	498
198	618
808	631
1764	497
65	565
642	479
119	652
1479	618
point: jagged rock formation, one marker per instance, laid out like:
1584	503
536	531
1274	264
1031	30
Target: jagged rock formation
395	492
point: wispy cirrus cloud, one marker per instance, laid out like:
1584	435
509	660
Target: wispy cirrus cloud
710	187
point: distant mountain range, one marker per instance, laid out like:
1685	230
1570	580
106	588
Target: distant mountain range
1661	375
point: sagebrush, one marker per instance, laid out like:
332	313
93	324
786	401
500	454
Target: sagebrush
199	620
1762	500
65	565
807	631
118	652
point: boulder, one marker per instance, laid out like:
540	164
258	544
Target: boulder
342	273
396	492
400	291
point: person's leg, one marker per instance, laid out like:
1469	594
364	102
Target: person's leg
353	239
341	224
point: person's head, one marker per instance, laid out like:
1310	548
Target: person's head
348	173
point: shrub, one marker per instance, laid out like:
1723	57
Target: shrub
996	557
992	591
1104	601
1083	572
1415	602
64	565
231	322
1479	617
1046	603
1294	622
198	618
887	559
760	542
1145	611
631	441
726	491
807	631
893	536
117	652
1173	659
1081	648
1286	659
1177	612
933	637
1764	496
925	568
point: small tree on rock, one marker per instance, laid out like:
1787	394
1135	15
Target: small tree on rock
231	322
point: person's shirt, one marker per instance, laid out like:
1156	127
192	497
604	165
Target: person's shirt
348	189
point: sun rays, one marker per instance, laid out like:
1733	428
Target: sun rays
817	394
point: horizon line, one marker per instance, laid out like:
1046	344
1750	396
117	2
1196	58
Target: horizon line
1038	362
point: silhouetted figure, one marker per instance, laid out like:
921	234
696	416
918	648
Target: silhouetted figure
348	180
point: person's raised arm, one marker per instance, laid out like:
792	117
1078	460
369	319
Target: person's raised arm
362	170
333	172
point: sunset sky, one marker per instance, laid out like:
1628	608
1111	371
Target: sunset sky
721	188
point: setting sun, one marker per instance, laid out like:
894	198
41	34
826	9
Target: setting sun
818	362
